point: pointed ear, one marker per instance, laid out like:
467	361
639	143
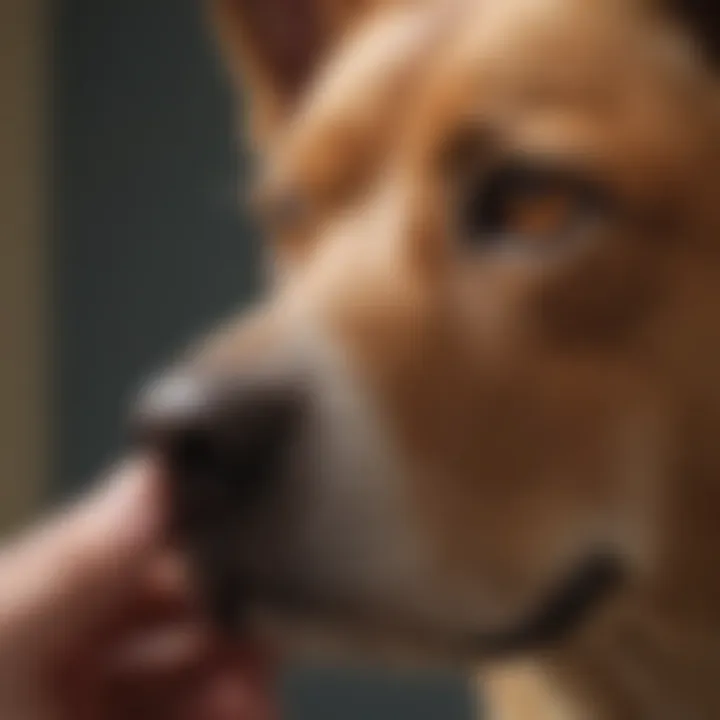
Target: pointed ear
701	18
273	48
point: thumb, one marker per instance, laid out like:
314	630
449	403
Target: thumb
80	567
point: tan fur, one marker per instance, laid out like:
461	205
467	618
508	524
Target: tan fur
538	407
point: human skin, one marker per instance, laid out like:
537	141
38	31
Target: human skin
98	622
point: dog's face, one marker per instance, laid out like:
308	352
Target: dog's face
457	419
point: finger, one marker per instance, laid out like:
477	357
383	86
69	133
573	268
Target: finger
161	652
192	677
176	647
229	696
168	579
86	561
239	685
152	674
208	693
165	595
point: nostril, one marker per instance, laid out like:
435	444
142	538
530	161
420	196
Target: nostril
193	451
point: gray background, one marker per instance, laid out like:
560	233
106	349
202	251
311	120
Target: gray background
150	248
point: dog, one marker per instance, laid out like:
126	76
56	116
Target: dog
476	417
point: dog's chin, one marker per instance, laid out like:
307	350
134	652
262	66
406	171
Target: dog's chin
303	620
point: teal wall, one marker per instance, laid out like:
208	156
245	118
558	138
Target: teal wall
150	248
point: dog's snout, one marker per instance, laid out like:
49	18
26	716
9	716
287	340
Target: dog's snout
234	429
227	443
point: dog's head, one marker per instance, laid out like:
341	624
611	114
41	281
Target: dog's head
461	415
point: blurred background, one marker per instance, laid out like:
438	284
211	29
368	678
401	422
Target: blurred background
120	239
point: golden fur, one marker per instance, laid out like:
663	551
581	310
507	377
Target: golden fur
538	407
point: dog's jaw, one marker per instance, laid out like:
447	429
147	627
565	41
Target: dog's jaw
654	653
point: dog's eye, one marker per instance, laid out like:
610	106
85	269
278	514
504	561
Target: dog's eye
529	206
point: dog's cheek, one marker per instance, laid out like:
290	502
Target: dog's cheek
600	302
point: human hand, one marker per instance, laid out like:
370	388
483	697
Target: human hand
97	621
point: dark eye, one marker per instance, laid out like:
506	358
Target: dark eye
531	206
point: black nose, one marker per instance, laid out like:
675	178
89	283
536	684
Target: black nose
229	435
228	444
242	419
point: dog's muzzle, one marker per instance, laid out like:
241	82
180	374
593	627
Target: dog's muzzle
280	500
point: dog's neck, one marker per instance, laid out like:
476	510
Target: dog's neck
655	653
649	665
651	668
